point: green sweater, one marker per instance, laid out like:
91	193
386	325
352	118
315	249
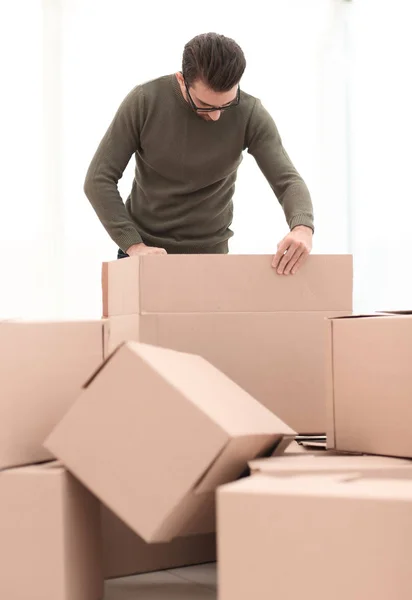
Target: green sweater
186	168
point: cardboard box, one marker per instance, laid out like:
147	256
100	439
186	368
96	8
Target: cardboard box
279	358
50	540
211	305
369	384
224	283
324	464
126	553
43	366
314	537
178	428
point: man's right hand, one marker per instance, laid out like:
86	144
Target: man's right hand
142	249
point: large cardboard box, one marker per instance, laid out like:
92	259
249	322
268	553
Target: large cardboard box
264	331
126	553
155	432
325	464
369	384
43	366
315	538
50	537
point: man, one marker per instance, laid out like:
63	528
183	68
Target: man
187	132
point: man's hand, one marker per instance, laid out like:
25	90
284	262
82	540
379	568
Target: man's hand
142	249
293	250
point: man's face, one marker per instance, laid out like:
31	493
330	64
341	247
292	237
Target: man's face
203	97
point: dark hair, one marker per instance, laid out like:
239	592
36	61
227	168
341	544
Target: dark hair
215	59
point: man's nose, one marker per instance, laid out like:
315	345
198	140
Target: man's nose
215	115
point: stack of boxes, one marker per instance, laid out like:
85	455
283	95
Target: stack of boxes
50	544
264	331
151	431
115	435
341	521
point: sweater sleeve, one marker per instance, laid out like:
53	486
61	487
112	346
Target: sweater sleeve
118	145
265	145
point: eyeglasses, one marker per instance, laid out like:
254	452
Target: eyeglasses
212	108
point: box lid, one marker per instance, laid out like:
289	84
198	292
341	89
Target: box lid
339	486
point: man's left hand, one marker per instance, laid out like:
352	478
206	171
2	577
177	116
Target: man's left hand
293	250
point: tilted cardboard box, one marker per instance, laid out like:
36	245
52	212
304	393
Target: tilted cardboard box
155	432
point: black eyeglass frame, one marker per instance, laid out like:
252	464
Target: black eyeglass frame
212	108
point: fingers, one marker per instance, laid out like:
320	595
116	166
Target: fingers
293	261
152	250
300	262
282	248
290	256
286	258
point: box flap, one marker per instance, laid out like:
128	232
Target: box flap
357	316
397	312
342	485
121	286
242	283
311	463
262	483
224	283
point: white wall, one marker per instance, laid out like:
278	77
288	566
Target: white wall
334	75
109	47
381	133
24	243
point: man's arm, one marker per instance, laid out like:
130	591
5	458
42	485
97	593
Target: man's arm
265	145
119	143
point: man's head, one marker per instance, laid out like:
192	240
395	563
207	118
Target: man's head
211	71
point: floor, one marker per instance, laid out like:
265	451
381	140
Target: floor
190	583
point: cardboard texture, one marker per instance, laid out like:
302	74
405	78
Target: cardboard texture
369	384
50	538
279	358
324	464
211	305
224	283
178	428
126	553
315	538
43	366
